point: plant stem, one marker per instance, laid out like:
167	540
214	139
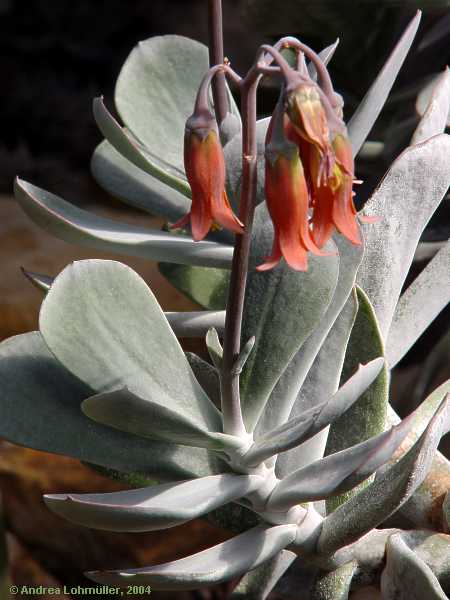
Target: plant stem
231	405
219	89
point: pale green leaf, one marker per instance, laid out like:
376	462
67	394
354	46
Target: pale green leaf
435	116
405	201
152	508
370	107
155	94
214	565
78	226
40	409
419	305
122	179
104	324
375	503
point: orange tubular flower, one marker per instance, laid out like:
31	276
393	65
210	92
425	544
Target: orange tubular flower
205	170
287	200
309	119
329	166
333	206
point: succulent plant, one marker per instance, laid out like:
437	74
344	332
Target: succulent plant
302	458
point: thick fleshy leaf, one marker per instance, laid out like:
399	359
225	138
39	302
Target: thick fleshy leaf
207	376
370	107
426	94
322	381
152	508
408	577
258	584
282	308
419	306
214	565
104	324
130	148
128	412
155	94
335	585
122	179
78	226
446	509
184	324
405	200
287	399
366	418
196	323
297	430
206	286
435	117
215	349
40	409
423	508
338	472
387	493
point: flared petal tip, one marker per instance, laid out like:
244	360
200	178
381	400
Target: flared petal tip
370	220
267	266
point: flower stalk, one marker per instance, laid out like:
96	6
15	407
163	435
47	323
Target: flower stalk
221	104
231	404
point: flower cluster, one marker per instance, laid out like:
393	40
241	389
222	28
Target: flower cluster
309	168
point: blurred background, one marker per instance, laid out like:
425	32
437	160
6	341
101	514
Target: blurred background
54	58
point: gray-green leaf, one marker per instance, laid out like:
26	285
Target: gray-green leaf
128	412
366	417
370	107
387	493
104	324
338	472
118	176
319	360
297	430
405	200
435	117
36	385
204	285
130	148
73	224
419	305
214	565
258	584
406	576
152	508
155	94
282	308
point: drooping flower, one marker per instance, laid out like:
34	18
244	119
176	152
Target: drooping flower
333	199
287	198
326	153
307	114
204	163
